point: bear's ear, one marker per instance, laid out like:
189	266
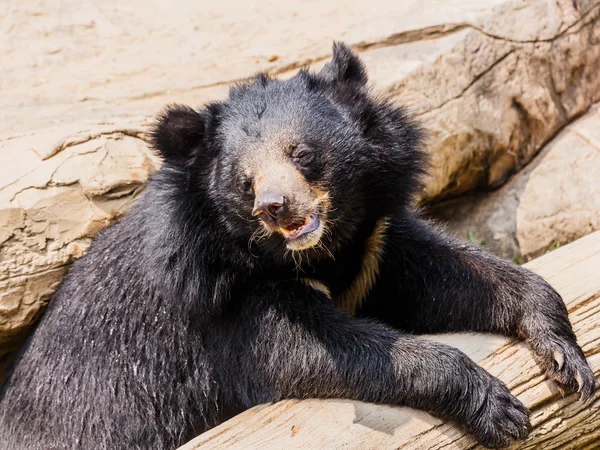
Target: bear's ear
345	66
178	133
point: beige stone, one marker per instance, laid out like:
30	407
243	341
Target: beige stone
491	81
561	201
53	202
553	201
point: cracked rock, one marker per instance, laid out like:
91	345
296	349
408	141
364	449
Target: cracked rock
51	206
553	201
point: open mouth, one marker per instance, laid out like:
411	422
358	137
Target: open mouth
300	228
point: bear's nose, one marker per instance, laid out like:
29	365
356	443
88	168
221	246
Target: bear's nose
270	203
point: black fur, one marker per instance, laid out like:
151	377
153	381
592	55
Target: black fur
176	319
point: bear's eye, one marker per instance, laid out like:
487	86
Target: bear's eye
246	188
302	154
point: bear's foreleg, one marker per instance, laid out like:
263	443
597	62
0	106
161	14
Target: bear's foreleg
293	342
431	283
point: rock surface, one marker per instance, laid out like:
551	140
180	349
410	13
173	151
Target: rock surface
491	81
553	201
53	200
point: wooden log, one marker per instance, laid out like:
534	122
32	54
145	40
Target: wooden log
559	421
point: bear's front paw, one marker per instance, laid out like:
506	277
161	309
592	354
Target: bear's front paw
547	329
500	419
564	362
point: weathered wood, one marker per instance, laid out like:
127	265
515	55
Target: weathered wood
559	422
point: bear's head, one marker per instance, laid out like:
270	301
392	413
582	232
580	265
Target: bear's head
298	164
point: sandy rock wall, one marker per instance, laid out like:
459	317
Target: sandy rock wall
553	201
491	81
53	202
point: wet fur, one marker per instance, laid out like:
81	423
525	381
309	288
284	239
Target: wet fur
180	316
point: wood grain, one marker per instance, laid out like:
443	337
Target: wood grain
559	422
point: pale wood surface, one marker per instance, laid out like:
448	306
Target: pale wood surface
559	422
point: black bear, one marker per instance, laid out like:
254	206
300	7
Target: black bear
276	255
